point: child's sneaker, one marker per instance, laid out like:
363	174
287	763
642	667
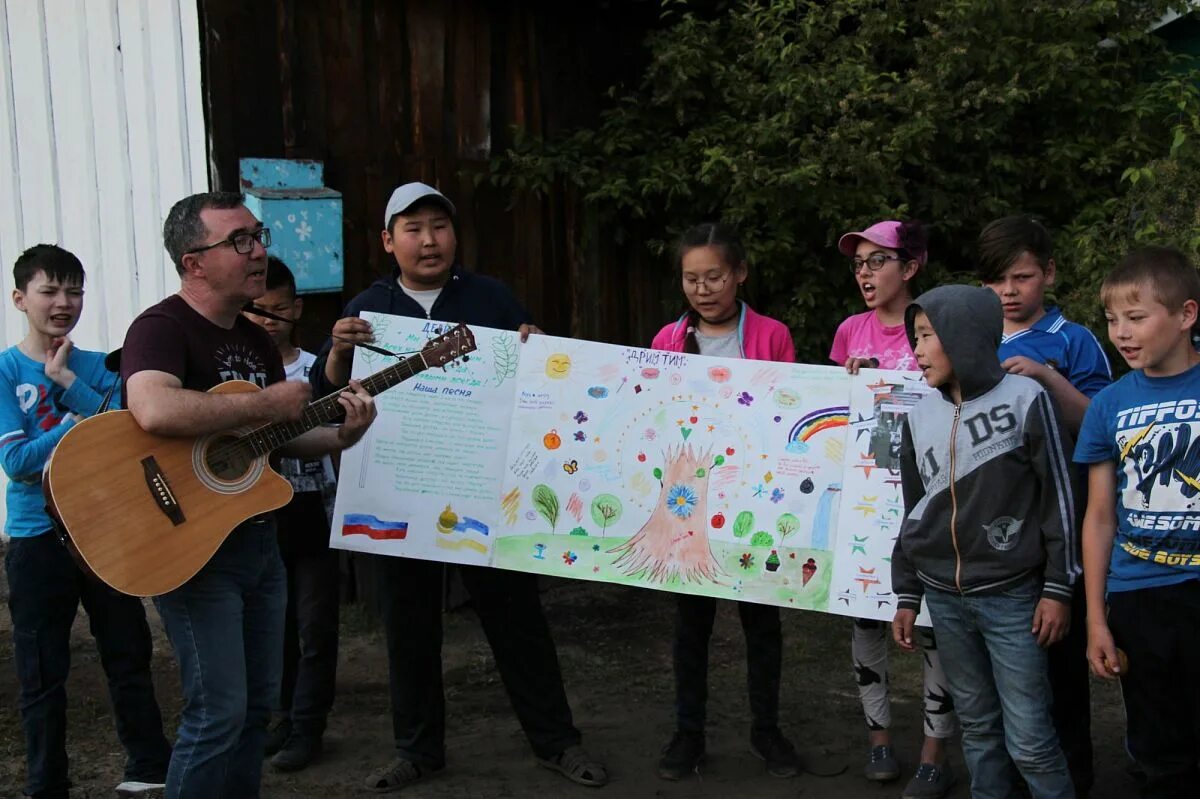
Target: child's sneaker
778	751
277	735
930	782
882	765
682	756
136	789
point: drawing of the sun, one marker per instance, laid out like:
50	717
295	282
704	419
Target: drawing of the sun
558	366
562	372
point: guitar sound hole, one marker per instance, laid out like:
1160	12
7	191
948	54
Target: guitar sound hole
226	459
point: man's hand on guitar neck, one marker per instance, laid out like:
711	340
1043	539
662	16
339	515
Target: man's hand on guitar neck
360	412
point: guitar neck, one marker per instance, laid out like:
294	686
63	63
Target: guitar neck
263	439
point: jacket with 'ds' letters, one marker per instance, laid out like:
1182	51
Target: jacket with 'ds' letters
989	490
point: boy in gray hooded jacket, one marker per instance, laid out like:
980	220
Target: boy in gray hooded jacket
987	540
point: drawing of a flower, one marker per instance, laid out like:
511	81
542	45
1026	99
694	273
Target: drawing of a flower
746	561
304	231
681	500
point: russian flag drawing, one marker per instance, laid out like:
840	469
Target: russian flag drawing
373	527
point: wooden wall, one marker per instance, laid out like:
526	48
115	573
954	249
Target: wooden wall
388	91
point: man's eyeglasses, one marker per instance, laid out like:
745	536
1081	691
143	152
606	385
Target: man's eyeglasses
242	243
873	262
693	284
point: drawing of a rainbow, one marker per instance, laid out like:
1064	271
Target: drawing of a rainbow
815	422
373	527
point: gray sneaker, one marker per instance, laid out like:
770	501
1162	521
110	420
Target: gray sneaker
136	789
882	765
930	782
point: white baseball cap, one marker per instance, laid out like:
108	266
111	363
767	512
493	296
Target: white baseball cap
405	196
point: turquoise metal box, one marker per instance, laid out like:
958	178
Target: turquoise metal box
305	218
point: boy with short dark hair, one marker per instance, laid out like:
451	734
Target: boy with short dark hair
1016	260
310	632
1140	441
986	540
46	386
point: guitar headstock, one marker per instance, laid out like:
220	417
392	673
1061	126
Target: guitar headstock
453	344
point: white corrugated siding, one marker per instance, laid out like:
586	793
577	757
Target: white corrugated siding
101	130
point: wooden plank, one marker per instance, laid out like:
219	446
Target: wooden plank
241	86
285	45
193	96
134	32
349	149
35	125
11	217
72	138
471	54
113	278
426	32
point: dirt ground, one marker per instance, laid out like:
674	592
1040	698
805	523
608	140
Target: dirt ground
614	644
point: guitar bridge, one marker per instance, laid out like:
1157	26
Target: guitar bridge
160	491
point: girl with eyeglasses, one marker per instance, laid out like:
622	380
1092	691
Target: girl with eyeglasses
885	260
712	264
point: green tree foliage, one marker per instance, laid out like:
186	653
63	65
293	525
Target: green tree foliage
1160	206
797	120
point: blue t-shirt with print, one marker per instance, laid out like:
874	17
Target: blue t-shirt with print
1069	347
1149	427
33	419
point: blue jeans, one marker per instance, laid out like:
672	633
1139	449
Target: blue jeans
998	677
226	626
45	589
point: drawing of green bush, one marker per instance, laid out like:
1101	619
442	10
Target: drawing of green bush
579	531
762	539
742	524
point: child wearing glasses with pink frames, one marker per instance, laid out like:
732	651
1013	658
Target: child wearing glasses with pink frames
885	260
712	264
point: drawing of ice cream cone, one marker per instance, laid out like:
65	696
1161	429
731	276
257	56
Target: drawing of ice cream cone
808	570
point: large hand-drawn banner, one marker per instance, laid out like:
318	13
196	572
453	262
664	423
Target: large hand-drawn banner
774	483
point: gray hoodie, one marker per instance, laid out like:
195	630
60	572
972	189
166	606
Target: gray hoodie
989	495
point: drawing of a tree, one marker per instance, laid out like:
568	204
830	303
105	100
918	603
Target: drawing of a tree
674	541
605	509
546	502
785	525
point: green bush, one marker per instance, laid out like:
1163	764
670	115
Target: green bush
797	120
1160	206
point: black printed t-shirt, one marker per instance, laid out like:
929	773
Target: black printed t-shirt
174	338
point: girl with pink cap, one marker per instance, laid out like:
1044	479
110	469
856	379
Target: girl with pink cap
885	260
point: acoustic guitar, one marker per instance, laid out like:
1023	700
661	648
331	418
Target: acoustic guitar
144	513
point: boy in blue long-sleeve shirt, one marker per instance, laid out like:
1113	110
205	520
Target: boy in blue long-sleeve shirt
1015	260
46	386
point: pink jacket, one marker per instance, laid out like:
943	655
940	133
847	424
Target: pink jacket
760	338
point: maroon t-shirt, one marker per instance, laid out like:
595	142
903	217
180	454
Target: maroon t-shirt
172	337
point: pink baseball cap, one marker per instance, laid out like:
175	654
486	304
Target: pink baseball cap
886	234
